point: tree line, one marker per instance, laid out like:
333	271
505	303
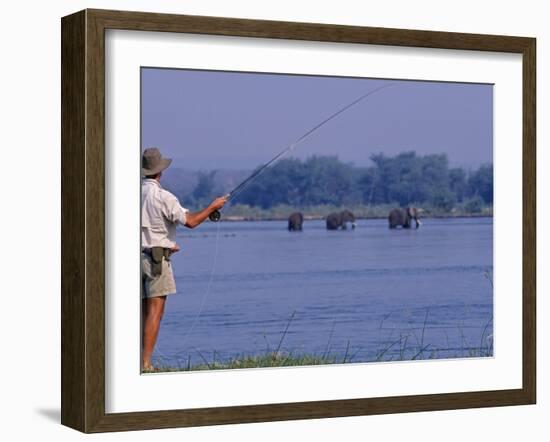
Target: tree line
404	179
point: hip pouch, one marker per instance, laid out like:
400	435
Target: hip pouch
157	254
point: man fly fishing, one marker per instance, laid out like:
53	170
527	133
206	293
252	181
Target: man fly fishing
161	212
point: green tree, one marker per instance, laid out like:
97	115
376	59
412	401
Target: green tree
328	181
473	205
283	183
406	178
403	179
203	191
370	187
480	183
458	183
444	199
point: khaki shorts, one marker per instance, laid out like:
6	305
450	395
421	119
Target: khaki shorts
153	286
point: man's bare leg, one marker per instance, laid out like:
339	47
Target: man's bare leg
153	310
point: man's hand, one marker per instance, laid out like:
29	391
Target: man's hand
194	219
175	249
218	203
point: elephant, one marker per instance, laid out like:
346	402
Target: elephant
340	219
402	217
295	222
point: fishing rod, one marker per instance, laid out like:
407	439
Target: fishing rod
216	215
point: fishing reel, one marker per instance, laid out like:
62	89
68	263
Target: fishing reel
215	216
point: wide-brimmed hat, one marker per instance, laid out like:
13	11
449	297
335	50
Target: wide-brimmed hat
152	162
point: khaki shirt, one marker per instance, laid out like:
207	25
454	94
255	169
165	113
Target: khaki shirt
160	214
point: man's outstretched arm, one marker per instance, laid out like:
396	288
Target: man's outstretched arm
194	219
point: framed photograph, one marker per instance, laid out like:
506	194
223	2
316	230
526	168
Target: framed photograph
268	220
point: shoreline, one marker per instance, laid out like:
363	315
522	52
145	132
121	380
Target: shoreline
243	212
237	218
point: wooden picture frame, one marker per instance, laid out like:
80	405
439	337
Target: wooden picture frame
83	220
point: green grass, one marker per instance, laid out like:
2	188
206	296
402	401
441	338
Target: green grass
257	361
403	352
393	349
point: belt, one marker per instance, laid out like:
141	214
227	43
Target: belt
149	252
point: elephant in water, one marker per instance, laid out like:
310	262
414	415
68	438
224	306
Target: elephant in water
295	222
340	219
403	217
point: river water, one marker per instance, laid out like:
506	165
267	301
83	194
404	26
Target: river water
369	294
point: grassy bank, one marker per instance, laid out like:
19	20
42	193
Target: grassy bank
408	346
283	359
398	350
243	212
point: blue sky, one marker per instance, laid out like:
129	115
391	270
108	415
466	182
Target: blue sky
230	120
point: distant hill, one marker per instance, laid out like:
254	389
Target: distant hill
182	182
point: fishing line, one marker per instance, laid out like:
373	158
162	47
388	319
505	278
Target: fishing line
209	285
215	216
